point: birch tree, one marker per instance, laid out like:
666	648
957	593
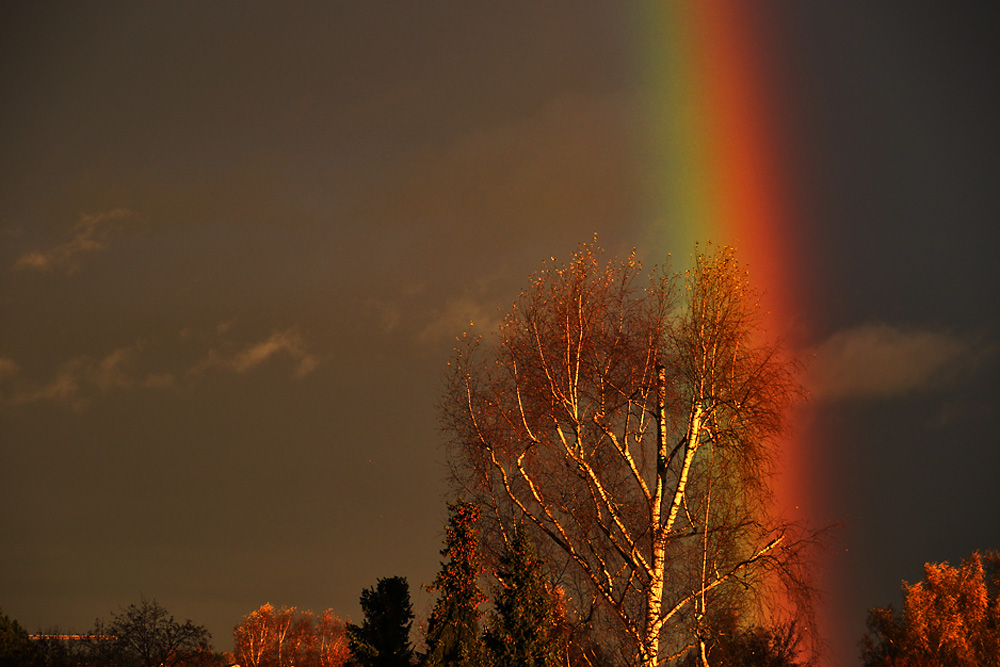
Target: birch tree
330	643
265	637
951	617
284	636
632	428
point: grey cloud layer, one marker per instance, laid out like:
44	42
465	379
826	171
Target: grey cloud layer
880	361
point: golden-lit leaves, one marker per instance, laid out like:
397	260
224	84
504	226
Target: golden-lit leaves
281	637
453	636
952	617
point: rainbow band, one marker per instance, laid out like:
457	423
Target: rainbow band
712	151
714	159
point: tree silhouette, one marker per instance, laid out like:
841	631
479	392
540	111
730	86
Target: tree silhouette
632	432
752	646
145	634
383	639
526	622
453	637
16	649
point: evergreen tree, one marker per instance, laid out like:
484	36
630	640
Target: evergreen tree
453	637
16	649
525	630
383	640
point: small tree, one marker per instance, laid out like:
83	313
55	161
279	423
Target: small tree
526	623
270	637
330	640
16	649
146	634
952	618
383	640
453	637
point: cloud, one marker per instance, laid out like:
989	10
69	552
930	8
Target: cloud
64	388
881	361
81	378
457	316
387	313
8	368
90	234
288	343
562	167
116	371
133	367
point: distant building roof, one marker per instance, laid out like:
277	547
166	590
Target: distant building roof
75	638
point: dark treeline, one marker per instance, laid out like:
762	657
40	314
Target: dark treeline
525	624
141	634
951	617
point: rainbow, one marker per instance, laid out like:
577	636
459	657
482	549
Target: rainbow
713	146
718	175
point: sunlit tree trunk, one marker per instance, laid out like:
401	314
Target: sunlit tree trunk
596	418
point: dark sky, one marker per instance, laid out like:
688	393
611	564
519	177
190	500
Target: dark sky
238	240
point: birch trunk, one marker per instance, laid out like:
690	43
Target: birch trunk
654	594
586	421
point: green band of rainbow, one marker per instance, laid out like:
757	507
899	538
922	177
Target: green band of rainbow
711	157
713	164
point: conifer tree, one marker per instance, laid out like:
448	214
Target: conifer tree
525	630
453	637
16	648
383	640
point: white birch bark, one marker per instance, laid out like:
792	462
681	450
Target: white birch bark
590	421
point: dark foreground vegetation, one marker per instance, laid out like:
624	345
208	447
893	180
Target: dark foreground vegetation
949	619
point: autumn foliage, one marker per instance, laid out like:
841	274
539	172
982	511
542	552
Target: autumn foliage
952	617
280	637
453	636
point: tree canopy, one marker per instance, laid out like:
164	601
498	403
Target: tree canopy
16	649
631	429
527	616
285	636
952	617
453	637
383	639
147	635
